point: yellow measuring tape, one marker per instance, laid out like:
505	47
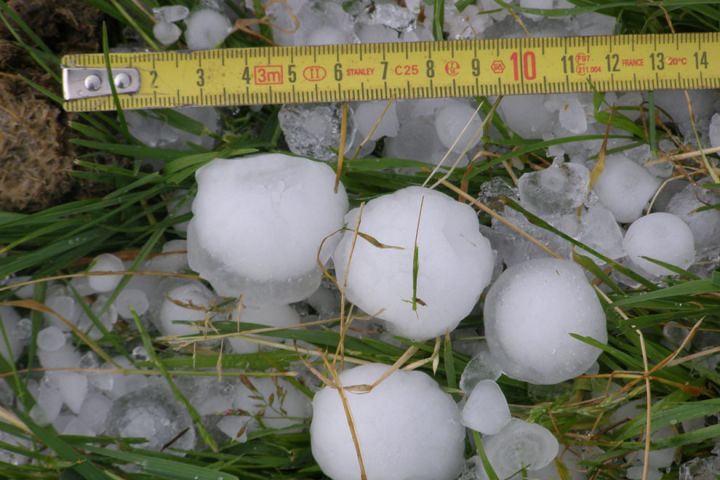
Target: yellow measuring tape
363	72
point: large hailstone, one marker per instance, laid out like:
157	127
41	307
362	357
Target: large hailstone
455	261
407	428
660	236
530	312
258	223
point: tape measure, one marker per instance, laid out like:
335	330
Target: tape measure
365	72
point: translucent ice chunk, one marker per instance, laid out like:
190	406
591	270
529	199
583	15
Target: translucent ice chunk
151	413
454	261
661	236
520	445
714	132
481	367
600	231
704	224
206	28
558	189
283	208
486	409
314	130
625	188
425	438
106	262
530	312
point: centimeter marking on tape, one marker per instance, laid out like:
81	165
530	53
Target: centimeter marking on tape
366	72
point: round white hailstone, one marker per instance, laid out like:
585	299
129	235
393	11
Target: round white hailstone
106	262
527	115
661	236
486	409
705	224
451	121
11	349
129	300
480	367
625	188
206	28
63	357
455	262
166	33
270	315
555	190
407	427
63	305
50	339
520	445
171	13
367	114
282	208
530	312
186	303
674	103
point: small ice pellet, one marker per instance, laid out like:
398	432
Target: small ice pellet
458	126
661	236
486	409
625	188
327	35
171	13
65	306
134	299
520	445
530	313
50	339
106	262
206	28
166	33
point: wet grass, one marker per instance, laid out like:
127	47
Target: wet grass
133	218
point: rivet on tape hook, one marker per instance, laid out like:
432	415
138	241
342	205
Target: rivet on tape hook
81	82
